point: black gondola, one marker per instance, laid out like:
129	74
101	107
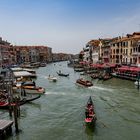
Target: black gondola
90	116
62	74
5	104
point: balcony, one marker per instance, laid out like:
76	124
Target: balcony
136	54
106	56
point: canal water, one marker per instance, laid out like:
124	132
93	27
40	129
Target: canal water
59	113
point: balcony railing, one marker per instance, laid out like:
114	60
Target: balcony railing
136	53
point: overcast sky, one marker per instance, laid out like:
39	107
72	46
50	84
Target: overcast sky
66	25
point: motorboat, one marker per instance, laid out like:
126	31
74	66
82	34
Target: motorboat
28	87
85	83
137	83
52	78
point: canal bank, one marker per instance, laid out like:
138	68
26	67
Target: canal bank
59	114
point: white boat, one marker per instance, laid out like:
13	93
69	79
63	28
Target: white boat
52	78
137	83
28	87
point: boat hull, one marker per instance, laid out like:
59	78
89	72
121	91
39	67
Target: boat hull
137	83
52	79
90	116
30	90
64	75
83	83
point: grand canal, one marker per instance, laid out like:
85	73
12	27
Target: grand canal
59	114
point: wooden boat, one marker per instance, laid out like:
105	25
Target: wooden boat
52	78
100	77
79	69
28	87
84	83
107	77
90	116
29	99
43	65
137	83
62	74
5	105
94	76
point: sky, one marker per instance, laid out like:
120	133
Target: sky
66	25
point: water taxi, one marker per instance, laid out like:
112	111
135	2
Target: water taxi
28	87
85	83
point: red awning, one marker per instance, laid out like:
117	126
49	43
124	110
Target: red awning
105	65
84	62
126	68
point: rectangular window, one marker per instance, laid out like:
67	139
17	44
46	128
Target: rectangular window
126	51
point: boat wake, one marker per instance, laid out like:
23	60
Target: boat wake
100	88
64	94
56	93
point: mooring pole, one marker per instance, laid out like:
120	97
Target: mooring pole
10	107
138	80
15	118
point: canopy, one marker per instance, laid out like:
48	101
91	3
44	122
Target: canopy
84	62
127	68
104	65
22	74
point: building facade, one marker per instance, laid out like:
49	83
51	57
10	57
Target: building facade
119	50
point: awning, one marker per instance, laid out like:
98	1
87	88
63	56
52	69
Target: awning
84	62
22	74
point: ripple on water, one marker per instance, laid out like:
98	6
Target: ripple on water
101	88
59	114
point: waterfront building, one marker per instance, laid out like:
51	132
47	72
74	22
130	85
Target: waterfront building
0	60
6	54
92	51
122	49
26	54
119	50
136	54
49	54
33	54
104	52
61	57
116	51
86	53
22	53
43	53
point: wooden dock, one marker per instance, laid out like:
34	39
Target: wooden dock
5	127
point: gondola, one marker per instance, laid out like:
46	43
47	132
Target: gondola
106	77
29	99
90	116
24	100
5	104
84	83
62	74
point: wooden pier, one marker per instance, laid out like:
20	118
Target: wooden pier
5	127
